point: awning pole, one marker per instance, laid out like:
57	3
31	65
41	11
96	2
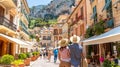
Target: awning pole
100	50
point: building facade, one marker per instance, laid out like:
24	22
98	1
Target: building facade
77	19
9	16
102	18
8	26
46	38
23	19
64	26
92	20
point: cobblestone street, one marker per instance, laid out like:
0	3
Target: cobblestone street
43	62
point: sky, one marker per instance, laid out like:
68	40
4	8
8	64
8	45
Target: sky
38	2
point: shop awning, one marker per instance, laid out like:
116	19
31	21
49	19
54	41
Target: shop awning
110	36
30	43
15	40
106	5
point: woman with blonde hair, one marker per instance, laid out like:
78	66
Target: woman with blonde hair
64	53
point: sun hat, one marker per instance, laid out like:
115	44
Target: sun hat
75	39
63	42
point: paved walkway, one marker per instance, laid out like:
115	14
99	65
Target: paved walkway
42	62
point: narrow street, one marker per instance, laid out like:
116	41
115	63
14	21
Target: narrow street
85	33
42	62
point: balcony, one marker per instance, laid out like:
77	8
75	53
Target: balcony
24	28
7	23
9	3
46	38
25	14
109	23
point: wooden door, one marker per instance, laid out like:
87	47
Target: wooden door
1	47
9	48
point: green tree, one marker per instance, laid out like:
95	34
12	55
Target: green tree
39	22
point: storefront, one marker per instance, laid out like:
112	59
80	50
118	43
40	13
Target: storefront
8	45
106	42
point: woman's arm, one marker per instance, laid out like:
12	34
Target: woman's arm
59	55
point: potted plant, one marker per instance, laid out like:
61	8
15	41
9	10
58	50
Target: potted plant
23	56
99	28
18	63
89	32
88	59
28	59
113	64
33	58
106	63
38	54
6	60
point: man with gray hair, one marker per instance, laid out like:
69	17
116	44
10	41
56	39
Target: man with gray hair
75	51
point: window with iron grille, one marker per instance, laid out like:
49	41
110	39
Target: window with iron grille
95	12
109	9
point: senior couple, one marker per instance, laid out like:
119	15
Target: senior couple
70	56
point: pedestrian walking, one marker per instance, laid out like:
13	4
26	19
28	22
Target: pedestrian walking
49	55
44	53
55	52
75	51
64	53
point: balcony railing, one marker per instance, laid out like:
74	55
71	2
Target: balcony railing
109	24
24	28
7	23
25	14
46	38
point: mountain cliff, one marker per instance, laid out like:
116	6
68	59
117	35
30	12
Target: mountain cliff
52	10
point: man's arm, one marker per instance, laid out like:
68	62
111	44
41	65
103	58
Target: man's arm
82	55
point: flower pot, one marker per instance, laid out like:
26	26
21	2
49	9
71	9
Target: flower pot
36	57
6	65
21	65
33	58
27	61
